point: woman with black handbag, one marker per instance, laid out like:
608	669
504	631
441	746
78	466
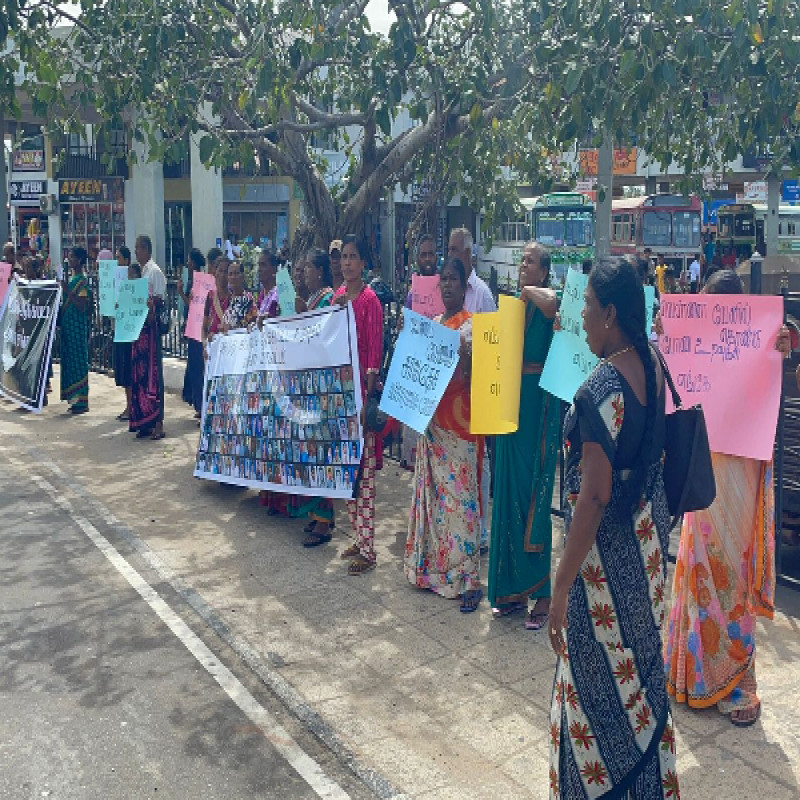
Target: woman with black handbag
724	578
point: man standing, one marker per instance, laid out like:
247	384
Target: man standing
694	274
335	255
479	297
426	260
147	368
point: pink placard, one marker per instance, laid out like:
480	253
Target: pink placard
5	277
202	284
721	353
426	299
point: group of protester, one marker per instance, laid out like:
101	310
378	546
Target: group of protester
610	721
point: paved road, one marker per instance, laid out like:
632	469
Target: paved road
106	691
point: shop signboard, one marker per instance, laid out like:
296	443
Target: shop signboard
624	161
91	190
790	193
26	193
27	161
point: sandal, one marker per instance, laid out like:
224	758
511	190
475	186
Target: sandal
315	539
360	565
745	717
536	620
470	600
156	436
512	608
123	416
351	552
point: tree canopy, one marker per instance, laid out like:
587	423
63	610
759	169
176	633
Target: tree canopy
471	97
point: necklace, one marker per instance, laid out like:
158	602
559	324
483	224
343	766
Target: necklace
618	353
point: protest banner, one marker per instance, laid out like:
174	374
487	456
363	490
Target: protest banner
570	361
202	284
497	340
27	326
424	360
282	406
286	292
131	310
107	280
721	353
426	299
5	277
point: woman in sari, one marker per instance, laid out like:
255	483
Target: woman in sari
217	301
147	366
442	546
268	294
369	340
525	464
75	313
122	350
318	280
724	579
610	722
241	309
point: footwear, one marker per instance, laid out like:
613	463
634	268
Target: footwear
73	410
156	436
746	716
350	552
123	416
504	611
197	415
143	434
536	620
360	565
470	600
311	526
315	539
483	549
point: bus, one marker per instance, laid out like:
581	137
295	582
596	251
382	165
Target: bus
666	224
742	227
562	221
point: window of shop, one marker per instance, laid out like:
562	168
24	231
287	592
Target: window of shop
255	226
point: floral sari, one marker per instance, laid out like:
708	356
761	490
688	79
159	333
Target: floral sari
444	528
75	347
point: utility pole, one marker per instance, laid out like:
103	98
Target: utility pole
3	184
605	189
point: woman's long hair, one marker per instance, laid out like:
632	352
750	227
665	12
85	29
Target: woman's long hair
618	282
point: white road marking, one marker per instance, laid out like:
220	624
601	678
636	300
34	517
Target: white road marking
273	731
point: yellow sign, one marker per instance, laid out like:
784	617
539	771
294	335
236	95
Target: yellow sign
497	340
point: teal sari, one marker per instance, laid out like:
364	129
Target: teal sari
75	346
525	463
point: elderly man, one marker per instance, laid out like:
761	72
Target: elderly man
479	297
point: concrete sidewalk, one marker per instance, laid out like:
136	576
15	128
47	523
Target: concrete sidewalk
437	703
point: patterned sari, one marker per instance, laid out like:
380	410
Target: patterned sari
610	723
147	379
525	464
444	527
724	579
75	347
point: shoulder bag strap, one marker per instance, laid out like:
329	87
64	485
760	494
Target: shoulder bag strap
676	398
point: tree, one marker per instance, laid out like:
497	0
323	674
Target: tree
468	97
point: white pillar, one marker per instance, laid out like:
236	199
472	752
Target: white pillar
773	203
145	203
206	196
605	186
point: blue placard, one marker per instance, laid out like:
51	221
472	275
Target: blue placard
425	358
107	272
286	292
131	310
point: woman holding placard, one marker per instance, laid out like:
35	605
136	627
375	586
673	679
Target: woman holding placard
610	721
525	464
369	335
122	350
442	546
724	578
217	301
75	313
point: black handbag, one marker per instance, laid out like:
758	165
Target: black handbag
374	419
163	318
688	473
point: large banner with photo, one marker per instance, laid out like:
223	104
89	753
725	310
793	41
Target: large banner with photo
27	325
282	406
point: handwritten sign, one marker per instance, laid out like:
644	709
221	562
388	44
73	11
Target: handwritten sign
721	353
131	310
426	299
286	292
497	340
424	360
5	277
107	272
202	284
569	360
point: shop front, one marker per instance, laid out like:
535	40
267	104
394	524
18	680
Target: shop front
256	213
29	225
92	214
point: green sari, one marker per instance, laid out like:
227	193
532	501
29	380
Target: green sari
525	462
75	347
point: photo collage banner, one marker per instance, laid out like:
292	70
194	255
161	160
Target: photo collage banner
282	406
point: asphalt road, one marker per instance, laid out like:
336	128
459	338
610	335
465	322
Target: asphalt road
110	685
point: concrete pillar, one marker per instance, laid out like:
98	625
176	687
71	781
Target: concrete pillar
144	203
605	188
206	195
771	225
3	192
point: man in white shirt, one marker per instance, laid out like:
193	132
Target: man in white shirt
478	297
694	274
